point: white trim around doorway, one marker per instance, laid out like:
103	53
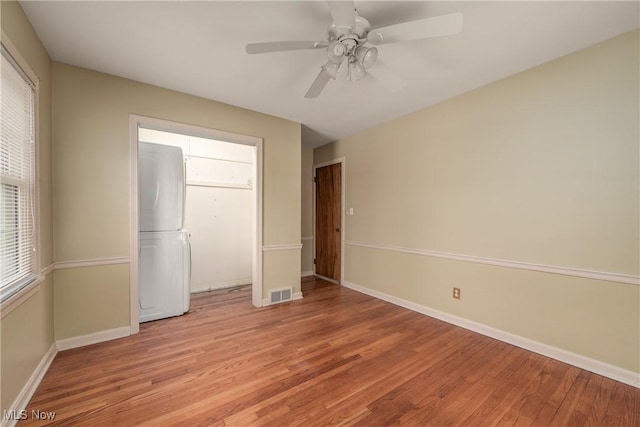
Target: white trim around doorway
137	121
343	162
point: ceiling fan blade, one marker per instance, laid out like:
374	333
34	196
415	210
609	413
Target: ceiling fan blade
267	47
387	77
436	26
343	13
318	85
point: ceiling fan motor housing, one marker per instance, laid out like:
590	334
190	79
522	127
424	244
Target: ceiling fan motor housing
347	42
348	37
358	33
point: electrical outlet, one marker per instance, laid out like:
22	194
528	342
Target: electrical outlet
456	293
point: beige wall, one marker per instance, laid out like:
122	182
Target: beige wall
27	331
91	207
90	299
541	167
91	183
27	335
306	256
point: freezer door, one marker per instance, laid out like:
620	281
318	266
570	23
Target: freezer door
161	182
163	275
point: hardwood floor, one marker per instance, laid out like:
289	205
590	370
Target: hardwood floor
337	357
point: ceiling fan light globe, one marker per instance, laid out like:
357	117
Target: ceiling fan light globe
370	57
375	37
366	56
335	52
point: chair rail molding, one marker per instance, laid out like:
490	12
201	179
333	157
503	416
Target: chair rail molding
566	271
269	248
91	262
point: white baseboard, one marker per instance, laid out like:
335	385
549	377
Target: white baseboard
328	279
224	285
94	338
306	273
606	370
25	395
297	295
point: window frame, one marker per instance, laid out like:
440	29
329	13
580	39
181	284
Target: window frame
26	290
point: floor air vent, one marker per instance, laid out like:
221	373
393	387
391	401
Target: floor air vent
279	295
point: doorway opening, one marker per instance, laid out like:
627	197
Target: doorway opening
222	173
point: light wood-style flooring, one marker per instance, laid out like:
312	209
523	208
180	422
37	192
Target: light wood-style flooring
336	357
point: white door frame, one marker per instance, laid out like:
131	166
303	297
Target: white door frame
135	122
343	162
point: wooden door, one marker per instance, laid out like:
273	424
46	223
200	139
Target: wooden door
328	221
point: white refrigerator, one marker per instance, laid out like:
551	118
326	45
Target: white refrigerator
164	256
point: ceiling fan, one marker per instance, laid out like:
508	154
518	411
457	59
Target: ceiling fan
348	37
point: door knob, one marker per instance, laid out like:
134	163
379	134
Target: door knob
338	229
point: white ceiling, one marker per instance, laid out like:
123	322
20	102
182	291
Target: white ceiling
198	48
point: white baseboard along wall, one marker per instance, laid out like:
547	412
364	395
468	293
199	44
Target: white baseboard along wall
606	370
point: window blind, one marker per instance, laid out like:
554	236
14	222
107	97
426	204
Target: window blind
17	178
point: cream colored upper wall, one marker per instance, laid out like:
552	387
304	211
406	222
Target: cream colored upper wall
307	191
306	255
26	333
91	184
540	167
91	134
